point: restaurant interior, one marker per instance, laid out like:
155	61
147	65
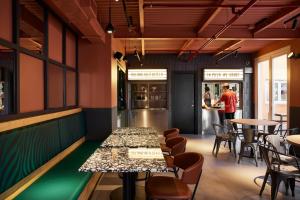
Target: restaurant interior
149	99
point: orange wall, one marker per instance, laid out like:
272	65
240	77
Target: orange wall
6	20
71	80
98	73
55	39
55	86
31	84
94	64
70	49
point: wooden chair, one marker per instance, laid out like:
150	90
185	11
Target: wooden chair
171	188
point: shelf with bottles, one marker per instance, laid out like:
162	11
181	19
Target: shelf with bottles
1	96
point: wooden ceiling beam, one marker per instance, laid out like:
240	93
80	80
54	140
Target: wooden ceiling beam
210	16
141	14
274	19
227	46
185	46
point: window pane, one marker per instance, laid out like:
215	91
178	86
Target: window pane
31	84
263	90
55	39
279	84
71	88
70	49
55	86
6	80
6	20
31	26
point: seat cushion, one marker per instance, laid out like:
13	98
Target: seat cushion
163	187
63	181
170	161
164	148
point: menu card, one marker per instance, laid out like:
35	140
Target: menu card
145	153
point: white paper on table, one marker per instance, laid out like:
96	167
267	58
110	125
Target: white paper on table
145	153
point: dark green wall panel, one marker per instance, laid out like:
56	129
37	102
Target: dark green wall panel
25	149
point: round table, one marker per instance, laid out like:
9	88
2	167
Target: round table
254	122
294	140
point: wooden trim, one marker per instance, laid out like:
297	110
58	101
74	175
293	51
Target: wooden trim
24	183
9	125
89	188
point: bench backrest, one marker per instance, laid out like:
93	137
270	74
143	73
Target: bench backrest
25	149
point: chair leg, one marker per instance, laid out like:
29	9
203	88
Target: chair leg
229	144
241	153
218	147
264	183
255	155
234	148
286	184
292	185
275	185
213	151
175	172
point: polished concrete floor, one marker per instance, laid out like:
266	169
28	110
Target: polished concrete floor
222	177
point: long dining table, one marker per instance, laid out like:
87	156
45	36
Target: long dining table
128	150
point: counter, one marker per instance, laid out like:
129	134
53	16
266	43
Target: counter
211	116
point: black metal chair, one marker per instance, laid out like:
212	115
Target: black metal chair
278	170
223	135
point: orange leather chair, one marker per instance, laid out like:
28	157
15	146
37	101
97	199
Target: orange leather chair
171	188
174	145
170	131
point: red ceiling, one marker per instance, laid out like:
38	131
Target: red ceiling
173	25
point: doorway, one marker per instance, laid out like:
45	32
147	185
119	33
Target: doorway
183	102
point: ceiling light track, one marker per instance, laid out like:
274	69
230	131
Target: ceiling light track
235	51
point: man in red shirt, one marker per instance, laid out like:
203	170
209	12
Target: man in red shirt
230	100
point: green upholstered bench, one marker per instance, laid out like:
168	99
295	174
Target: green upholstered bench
63	181
40	157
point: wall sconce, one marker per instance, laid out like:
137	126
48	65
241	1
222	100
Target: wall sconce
293	55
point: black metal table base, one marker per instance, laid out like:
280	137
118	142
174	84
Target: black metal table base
129	191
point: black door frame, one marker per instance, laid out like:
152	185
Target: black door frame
196	98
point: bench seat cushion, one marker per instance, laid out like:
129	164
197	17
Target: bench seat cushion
63	181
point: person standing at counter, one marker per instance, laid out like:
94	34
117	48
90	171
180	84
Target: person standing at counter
207	97
230	100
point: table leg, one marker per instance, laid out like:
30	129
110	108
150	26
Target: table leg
129	185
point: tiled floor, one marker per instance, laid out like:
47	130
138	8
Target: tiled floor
222	177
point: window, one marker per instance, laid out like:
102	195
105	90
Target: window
55	77
31	30
272	85
6	80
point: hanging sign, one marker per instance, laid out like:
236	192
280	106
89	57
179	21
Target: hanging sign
147	74
223	75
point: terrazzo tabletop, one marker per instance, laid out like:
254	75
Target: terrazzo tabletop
135	131
129	149
121	160
124	140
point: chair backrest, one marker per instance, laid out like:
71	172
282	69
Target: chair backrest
269	154
170	131
191	163
219	129
177	145
274	140
249	135
171	135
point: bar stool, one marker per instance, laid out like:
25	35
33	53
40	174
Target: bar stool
170	131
